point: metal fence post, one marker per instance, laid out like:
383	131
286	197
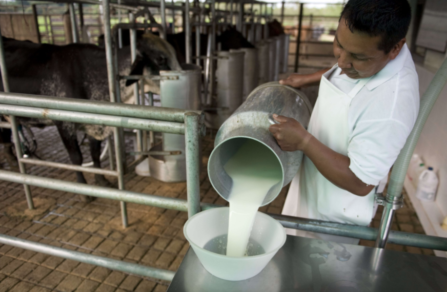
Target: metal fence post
74	26
15	133
114	97
211	59
240	17
136	89
298	38
282	11
36	22
198	26
173	18
188	33
163	18
192	141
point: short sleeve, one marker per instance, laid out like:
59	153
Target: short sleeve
374	147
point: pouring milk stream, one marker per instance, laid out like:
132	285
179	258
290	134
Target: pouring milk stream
254	169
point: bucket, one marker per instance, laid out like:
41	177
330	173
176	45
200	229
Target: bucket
251	121
206	233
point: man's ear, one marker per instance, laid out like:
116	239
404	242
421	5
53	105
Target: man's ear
396	49
137	68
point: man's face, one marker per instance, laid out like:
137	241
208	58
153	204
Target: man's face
358	54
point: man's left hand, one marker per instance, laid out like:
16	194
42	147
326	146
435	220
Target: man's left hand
290	134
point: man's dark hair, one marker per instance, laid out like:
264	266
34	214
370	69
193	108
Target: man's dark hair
389	19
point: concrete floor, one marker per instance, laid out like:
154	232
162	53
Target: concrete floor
154	236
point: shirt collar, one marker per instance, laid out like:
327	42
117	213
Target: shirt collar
343	77
391	69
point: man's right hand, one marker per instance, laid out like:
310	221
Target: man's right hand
296	80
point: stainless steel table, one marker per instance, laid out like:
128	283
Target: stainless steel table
314	265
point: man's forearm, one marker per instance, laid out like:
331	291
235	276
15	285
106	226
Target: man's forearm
335	167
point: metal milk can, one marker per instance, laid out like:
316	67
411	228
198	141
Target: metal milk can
251	121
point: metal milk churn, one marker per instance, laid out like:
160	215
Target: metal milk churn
252	121
179	89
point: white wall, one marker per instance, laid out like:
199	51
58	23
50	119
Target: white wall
432	144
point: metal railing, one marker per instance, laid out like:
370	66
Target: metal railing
189	123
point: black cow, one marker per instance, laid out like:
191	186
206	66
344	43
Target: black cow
275	28
229	39
80	71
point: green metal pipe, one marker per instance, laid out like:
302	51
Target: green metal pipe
15	134
3	68
73	22
192	142
22	167
120	171
95	191
362	232
88	258
111	70
76	117
403	160
68	166
400	167
115	96
95	107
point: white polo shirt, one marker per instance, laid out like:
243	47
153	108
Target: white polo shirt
381	116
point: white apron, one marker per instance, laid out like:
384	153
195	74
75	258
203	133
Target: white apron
310	194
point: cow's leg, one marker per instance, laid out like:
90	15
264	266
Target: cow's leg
5	139
95	151
68	135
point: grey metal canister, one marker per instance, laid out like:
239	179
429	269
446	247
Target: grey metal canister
229	88
179	89
263	61
273	60
251	70
252	121
285	54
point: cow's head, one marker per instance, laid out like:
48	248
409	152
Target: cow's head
231	38
153	55
275	28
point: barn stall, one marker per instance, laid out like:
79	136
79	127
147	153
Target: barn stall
219	96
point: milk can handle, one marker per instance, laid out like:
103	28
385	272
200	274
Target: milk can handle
272	120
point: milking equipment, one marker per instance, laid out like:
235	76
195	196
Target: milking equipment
229	89
181	90
275	55
178	89
224	86
263	61
284	62
263	46
251	71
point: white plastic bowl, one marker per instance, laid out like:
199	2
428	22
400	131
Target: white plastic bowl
207	225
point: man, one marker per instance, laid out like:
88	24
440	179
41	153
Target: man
366	107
